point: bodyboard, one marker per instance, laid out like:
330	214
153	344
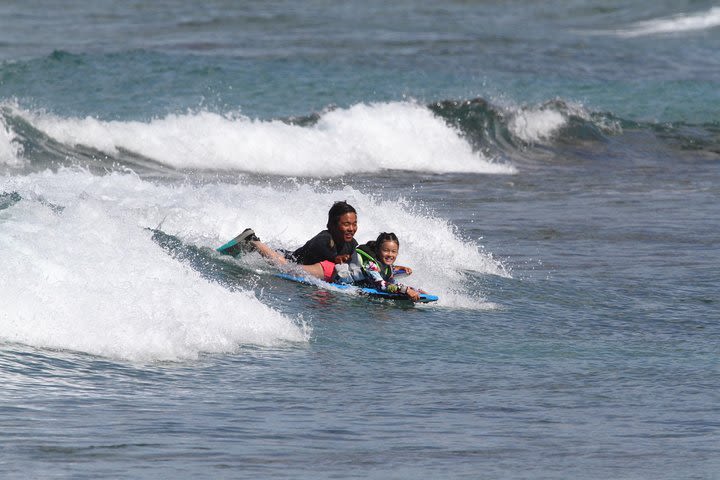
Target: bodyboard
372	292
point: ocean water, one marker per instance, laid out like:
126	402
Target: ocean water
552	170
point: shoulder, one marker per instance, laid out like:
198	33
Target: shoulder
315	250
322	237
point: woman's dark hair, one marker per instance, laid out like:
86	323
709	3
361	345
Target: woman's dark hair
386	237
336	211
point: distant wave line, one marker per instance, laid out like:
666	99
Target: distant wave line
675	24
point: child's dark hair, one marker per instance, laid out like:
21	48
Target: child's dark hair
386	237
336	211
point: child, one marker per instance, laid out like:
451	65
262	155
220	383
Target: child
375	261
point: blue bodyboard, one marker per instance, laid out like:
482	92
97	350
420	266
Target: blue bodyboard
372	292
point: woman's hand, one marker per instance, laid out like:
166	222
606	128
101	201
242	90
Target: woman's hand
342	259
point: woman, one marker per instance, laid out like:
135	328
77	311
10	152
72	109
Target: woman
319	254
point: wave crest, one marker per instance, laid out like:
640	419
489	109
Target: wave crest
511	130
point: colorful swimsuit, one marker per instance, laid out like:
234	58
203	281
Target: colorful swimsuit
375	273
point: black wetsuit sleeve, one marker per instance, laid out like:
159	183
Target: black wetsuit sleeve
348	248
315	250
321	248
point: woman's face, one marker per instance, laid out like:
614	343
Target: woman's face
347	226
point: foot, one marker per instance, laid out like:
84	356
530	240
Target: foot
240	244
247	236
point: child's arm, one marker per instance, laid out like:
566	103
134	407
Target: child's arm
391	287
400	270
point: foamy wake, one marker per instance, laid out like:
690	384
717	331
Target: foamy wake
675	24
363	138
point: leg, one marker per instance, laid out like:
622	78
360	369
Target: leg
267	252
316	269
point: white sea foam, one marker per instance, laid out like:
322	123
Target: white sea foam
363	138
10	148
676	24
90	279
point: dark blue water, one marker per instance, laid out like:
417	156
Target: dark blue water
552	171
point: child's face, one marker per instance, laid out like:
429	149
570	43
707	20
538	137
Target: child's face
388	252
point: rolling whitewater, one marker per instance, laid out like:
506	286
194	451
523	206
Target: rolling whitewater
552	172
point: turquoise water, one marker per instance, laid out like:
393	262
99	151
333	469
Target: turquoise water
552	172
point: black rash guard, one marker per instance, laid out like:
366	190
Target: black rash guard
322	247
